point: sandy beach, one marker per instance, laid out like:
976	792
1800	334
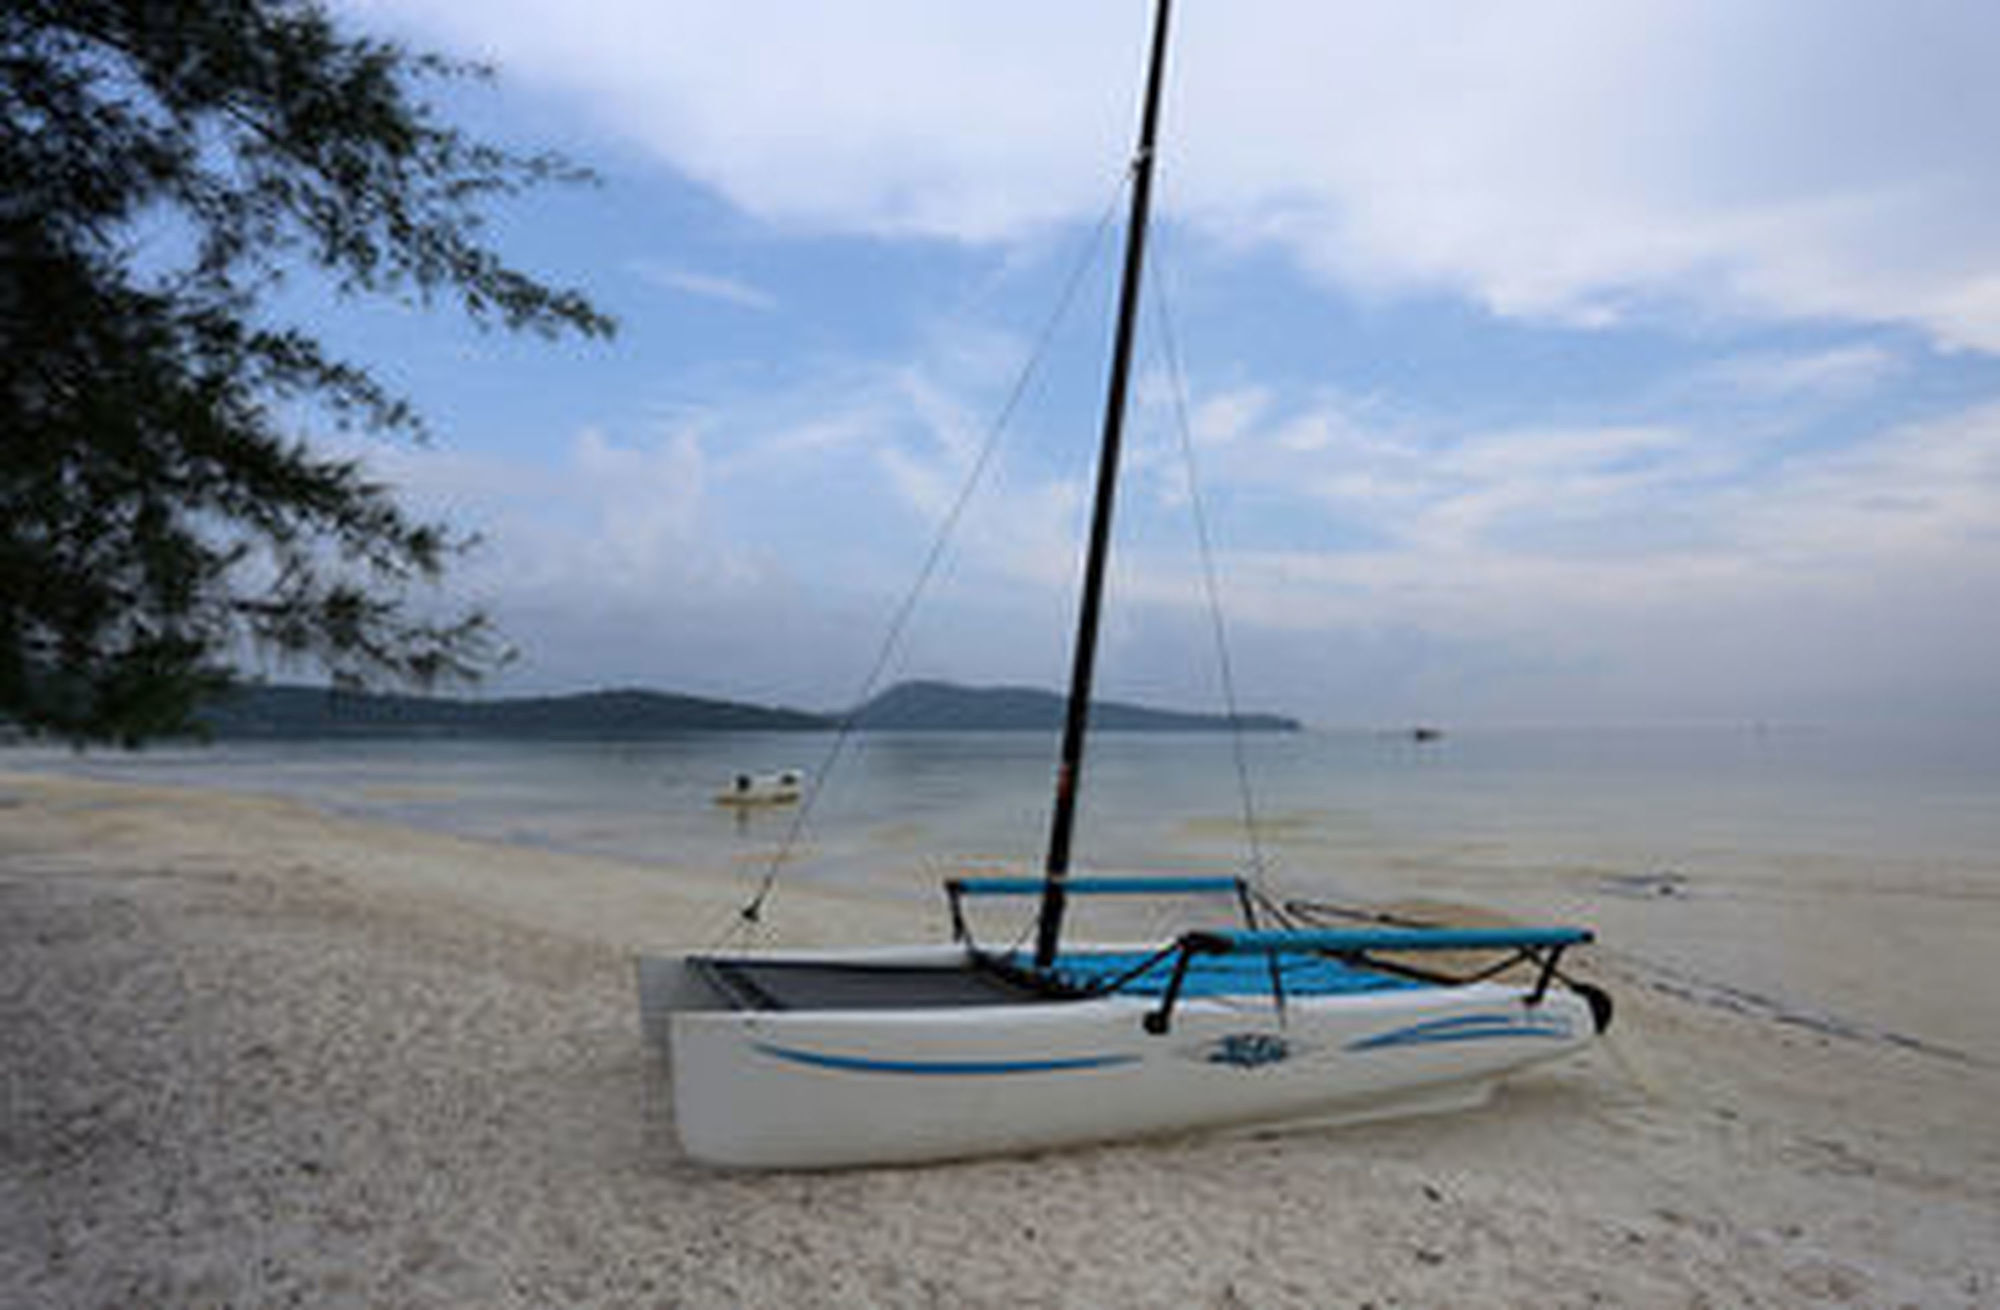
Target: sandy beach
256	1055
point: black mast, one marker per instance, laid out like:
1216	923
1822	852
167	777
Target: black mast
1063	821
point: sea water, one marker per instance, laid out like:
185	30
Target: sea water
1175	798
1850	875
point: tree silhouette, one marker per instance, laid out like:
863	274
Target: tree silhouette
163	165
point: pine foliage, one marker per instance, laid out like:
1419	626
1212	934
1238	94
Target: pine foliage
164	165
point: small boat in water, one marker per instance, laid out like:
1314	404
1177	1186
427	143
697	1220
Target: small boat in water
747	789
818	1059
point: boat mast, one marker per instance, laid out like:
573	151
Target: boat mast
1083	668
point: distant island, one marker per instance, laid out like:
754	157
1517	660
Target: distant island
292	711
947	707
282	711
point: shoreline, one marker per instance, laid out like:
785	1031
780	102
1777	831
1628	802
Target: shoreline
260	1053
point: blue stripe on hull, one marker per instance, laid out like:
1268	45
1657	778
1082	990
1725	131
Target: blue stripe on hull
1465	1028
944	1068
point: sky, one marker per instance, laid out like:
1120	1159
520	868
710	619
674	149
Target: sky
1539	362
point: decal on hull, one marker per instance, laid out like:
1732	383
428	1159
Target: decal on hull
1247	1050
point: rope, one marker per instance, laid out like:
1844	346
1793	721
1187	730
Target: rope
1218	628
753	909
1313	912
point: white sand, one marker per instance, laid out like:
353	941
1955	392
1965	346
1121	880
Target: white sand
258	1056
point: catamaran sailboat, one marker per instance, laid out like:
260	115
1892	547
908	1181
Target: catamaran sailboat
900	1054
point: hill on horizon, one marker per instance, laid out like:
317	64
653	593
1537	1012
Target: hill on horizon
293	711
929	706
626	714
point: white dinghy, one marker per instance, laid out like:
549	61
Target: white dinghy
825	1059
747	790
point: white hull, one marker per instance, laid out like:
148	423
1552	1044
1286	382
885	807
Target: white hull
821	1088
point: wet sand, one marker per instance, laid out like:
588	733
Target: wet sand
256	1055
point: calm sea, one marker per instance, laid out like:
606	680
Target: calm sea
1838	871
1660	793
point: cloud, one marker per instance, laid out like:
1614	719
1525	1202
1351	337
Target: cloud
1556	160
1840	372
1925	495
707	286
1761	506
758	548
1584	573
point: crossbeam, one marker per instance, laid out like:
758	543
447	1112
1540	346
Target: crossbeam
1337	941
1544	945
1152	885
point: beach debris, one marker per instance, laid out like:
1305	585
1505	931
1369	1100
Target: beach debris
1655	884
1720	995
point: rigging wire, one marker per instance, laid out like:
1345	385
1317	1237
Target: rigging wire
752	912
1170	350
